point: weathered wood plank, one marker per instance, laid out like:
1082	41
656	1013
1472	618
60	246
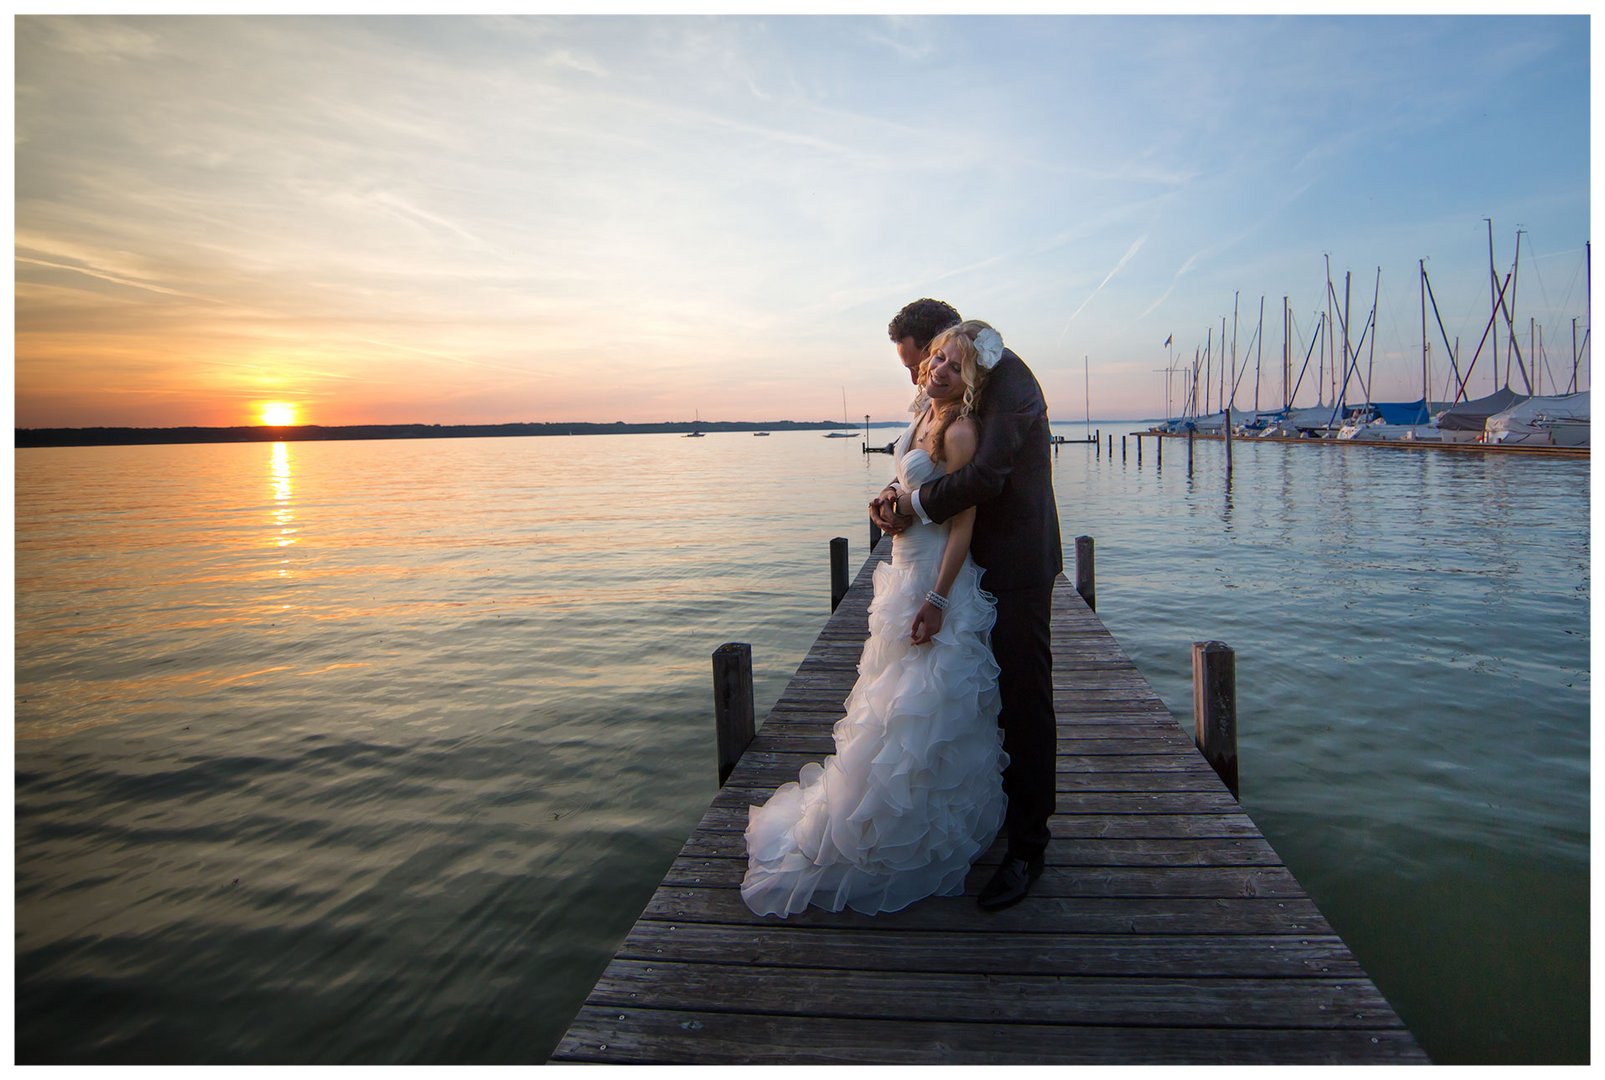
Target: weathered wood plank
1068	825
1102	725
1219	801
1034	914
817	743
1134	882
1266	956
998	998
654	1036
1136	762
768	775
1099	851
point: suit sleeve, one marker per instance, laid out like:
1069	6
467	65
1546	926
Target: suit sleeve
1015	409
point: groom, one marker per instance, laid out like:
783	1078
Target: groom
1016	543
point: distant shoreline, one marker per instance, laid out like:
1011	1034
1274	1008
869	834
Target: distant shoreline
130	436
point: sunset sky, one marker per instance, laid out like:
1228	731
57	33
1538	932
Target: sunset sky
492	219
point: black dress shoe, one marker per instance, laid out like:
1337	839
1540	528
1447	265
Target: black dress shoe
1011	882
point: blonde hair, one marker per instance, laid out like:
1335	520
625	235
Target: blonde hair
973	374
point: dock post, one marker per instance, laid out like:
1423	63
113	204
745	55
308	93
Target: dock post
838	570
874	534
1215	708
1189	452
1159	451
1111	446
1122	448
1086	578
1097	447
1139	451
732	703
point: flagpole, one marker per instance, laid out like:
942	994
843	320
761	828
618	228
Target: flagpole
1171	363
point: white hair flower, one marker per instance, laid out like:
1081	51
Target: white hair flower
989	348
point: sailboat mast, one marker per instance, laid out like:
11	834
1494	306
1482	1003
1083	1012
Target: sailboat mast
1343	396
1571	387
1221	401
1330	343
1233	399
1511	352
1493	298
1259	352
1426	391
1193	397
1371	357
1287	363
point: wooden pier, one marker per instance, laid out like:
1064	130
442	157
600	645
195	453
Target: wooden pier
1164	930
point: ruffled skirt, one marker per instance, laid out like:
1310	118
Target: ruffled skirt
914	791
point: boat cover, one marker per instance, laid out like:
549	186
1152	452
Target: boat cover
1473	415
1558	421
1408	412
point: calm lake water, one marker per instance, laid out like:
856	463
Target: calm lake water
372	752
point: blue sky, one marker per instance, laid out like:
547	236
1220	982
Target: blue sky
551	218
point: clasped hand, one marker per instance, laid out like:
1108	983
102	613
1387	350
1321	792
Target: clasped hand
883	511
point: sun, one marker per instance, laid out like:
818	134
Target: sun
278	414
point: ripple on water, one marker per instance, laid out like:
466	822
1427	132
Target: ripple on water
371	752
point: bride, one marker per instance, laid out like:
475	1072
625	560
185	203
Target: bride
914	790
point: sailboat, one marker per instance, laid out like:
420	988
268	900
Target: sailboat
843	434
693	433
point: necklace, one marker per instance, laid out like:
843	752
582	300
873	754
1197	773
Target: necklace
923	427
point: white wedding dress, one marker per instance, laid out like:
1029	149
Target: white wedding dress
914	791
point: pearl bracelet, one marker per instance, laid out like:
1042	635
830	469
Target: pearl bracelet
937	600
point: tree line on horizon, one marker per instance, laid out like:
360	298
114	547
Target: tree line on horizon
119	436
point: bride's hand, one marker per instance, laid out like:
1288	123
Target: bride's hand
883	510
927	623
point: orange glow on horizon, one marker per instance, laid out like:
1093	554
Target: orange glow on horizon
278	414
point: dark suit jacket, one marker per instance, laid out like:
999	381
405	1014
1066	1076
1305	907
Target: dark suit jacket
1009	481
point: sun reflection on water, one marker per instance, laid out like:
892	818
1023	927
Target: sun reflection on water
283	512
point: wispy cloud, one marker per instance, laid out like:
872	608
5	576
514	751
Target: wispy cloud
910	37
493	216
1131	252
115	279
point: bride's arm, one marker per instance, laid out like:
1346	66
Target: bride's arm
959	447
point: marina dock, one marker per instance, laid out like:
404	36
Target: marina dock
1384	444
1165	929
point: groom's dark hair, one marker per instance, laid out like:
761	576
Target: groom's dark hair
923	320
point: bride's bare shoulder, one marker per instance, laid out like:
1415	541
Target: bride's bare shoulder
958	444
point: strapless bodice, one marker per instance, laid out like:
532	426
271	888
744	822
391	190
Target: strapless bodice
917	467
919	543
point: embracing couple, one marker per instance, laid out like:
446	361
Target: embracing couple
923	778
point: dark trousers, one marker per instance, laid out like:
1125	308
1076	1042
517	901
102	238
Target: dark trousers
1023	646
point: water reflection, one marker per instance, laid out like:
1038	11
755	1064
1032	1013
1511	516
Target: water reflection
283	510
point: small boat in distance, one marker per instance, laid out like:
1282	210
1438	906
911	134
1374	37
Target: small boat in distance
693	433
760	434
843	434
